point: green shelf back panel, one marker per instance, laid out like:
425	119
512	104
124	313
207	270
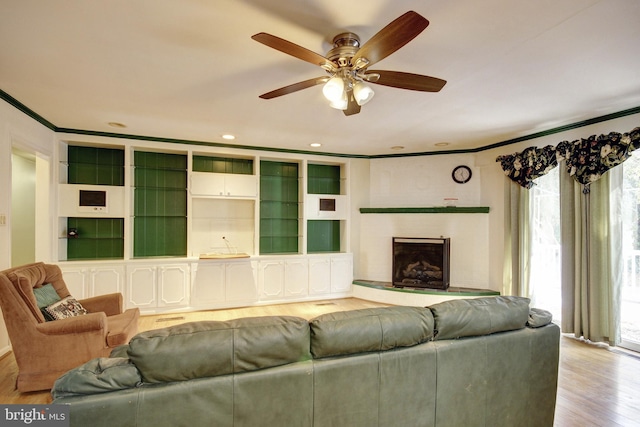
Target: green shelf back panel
159	236
279	207
160	205
96	166
323	179
222	165
98	238
323	236
160	202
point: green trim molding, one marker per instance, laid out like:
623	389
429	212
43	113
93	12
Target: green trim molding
430	210
29	112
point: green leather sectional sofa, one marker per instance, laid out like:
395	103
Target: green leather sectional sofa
475	362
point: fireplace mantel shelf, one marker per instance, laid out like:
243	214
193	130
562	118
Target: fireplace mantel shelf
431	209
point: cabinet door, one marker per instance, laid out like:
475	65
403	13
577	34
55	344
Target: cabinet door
296	277
209	283
271	279
319	275
240	281
341	274
173	285
106	280
76	281
141	286
207	184
241	185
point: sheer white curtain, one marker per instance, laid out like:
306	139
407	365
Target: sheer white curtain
591	256
517	240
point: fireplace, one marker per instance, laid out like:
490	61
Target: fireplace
421	263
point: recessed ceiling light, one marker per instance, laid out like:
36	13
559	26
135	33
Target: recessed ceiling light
398	147
228	136
117	125
441	144
315	144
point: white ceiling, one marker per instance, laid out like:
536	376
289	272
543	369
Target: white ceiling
188	69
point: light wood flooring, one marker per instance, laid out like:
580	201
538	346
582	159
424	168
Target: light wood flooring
597	386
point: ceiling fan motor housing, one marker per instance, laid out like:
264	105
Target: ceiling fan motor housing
345	46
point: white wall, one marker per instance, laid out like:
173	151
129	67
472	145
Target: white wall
425	181
477	240
20	131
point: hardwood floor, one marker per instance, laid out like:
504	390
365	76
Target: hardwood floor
597	386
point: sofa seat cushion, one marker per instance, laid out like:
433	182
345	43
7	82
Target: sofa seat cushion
122	327
371	329
211	348
481	316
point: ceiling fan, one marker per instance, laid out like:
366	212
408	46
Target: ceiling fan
347	64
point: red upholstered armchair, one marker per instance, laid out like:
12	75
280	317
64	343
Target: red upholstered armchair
44	350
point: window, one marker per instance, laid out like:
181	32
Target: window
545	268
630	292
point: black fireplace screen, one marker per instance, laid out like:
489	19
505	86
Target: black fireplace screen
421	262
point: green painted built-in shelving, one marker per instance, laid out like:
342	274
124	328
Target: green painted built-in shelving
279	207
323	235
160	204
222	165
433	209
94	165
95	238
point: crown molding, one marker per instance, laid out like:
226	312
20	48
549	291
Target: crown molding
29	112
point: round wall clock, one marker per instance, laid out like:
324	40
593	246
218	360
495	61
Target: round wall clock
461	174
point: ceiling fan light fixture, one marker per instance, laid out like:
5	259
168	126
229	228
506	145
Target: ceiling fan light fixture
340	104
362	93
333	90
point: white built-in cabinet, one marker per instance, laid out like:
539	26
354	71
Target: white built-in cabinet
224	283
84	281
213	283
307	277
223	184
223	211
284	278
157	285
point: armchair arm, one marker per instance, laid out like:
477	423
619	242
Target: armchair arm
75	325
110	304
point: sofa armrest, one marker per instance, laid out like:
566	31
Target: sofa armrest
75	325
110	304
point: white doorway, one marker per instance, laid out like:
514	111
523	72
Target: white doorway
30	219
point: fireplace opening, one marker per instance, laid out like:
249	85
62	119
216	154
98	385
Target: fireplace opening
421	262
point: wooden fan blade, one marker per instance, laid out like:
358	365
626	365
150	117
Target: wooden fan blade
391	38
407	81
352	105
294	87
295	50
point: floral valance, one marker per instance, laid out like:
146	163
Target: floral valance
586	159
528	165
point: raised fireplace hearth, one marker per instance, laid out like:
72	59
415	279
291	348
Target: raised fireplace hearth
421	262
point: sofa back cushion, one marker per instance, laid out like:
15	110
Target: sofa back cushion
371	329
207	349
482	316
